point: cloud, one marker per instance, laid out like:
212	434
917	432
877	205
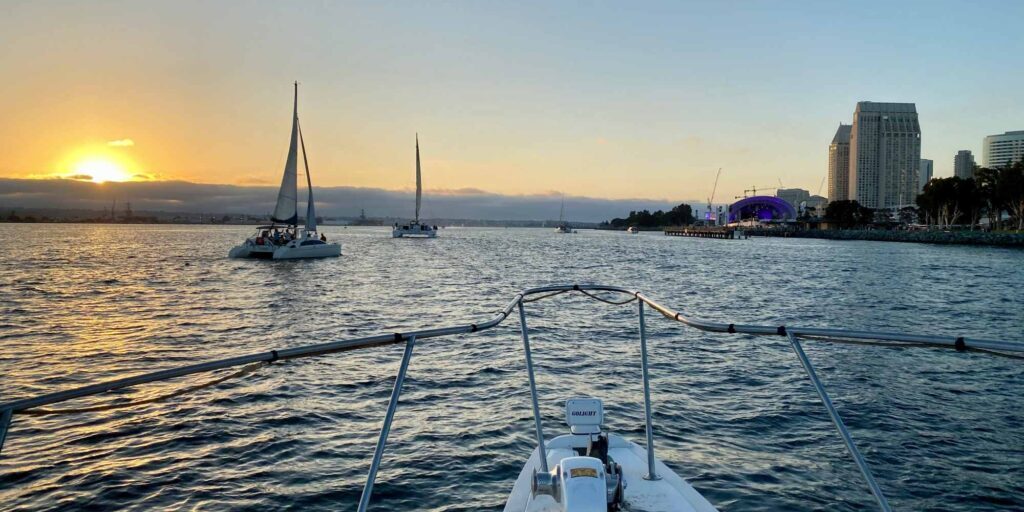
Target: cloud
457	191
121	143
79	177
182	196
254	181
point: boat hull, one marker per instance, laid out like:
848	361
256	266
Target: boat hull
670	493
414	231
249	250
289	252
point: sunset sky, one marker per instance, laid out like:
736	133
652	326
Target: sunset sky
602	99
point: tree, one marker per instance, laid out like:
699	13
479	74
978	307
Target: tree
948	201
989	184
848	213
677	216
1012	190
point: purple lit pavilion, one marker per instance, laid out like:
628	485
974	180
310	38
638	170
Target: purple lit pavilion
762	208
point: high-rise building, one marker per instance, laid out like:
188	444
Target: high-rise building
839	165
793	196
963	164
1002	150
885	154
924	173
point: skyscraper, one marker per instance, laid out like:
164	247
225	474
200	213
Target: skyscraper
963	164
839	164
885	154
924	173
1001	150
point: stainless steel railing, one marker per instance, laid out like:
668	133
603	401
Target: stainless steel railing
8	410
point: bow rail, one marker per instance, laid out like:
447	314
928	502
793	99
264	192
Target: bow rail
961	343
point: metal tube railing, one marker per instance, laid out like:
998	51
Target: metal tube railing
385	429
5	423
652	474
838	422
9	409
541	449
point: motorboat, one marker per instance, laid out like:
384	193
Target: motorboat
415	229
282	239
633	230
585	470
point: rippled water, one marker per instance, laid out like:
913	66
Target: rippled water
734	415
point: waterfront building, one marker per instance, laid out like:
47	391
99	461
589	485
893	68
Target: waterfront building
963	164
924	173
1002	150
839	164
793	196
885	154
818	203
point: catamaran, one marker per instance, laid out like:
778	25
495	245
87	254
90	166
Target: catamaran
282	239
414	229
563	226
586	470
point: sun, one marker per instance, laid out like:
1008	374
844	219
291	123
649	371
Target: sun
100	170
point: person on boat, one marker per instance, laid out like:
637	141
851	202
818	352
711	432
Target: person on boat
323	237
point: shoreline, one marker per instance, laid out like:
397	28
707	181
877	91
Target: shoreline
979	238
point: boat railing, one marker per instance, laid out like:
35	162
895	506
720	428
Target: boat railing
32	405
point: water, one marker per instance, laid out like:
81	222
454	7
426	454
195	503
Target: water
735	415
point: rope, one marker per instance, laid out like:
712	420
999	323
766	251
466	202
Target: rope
245	370
606	301
584	292
535	299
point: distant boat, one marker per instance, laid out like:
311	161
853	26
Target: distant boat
563	226
633	230
414	229
282	239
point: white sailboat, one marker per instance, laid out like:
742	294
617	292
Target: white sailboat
282	239
563	226
414	229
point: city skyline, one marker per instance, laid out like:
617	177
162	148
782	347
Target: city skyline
620	102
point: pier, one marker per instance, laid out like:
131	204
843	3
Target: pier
712	232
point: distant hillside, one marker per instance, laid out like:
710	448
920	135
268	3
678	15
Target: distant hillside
178	197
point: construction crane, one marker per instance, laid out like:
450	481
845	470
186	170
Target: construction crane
753	191
708	215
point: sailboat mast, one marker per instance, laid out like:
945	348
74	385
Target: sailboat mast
419	183
561	214
310	208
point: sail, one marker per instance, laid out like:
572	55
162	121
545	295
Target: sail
310	209
286	210
419	183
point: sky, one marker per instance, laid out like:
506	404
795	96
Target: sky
598	99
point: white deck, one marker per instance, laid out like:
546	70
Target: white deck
669	494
